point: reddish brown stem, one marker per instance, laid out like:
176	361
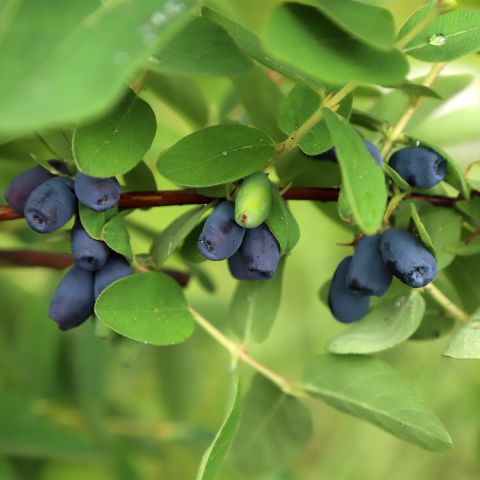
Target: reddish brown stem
59	261
190	197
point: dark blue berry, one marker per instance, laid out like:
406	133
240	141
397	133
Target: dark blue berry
239	269
114	269
23	185
419	167
260	252
346	306
87	252
73	301
98	194
221	235
368	274
51	205
407	258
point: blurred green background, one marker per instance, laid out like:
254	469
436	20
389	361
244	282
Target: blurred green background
75	405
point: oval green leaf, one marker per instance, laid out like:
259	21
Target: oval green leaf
345	383
115	235
320	42
466	343
116	143
387	325
84	54
147	307
215	155
363	181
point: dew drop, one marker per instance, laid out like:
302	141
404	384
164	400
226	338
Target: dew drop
158	18
437	39
224	154
115	131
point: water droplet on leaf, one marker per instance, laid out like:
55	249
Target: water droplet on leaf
437	39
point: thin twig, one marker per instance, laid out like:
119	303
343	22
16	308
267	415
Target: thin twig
453	310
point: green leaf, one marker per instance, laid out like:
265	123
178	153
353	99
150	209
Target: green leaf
253	47
368	23
189	249
372	390
282	223
422	231
25	434
213	458
182	94
255	305
93	222
446	37
83	56
384	327
466	343
116	143
147	307
471	208
140	178
174	234
396	178
363	181
444	227
473	176
115	235
417	90
260	96
274	428
465	249
298	107
463	275
215	155
201	47
319	42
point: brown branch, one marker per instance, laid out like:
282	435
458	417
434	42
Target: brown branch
59	261
190	197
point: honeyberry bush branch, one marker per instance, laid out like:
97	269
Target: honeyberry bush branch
167	198
450	307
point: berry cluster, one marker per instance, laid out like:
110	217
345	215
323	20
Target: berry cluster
237	232
395	252
48	200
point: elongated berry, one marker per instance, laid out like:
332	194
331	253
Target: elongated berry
23	185
368	274
346	306
51	205
221	236
419	167
87	252
407	258
253	200
73	300
98	194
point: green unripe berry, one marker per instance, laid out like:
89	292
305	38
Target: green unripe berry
253	200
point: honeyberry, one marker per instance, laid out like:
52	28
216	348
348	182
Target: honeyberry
87	252
260	252
73	300
114	269
239	269
51	205
346	306
419	167
221	236
368	274
253	200
23	185
407	258
98	194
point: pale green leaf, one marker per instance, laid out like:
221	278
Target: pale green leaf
116	236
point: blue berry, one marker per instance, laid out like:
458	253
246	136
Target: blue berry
23	185
221	236
98	194
368	274
73	301
51	205
87	252
346	306
407	258
419	167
